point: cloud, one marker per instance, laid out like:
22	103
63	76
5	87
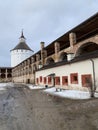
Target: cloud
41	20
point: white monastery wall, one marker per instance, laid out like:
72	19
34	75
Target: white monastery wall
81	68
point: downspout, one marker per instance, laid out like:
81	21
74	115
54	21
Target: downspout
94	81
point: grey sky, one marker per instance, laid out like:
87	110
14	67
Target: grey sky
42	20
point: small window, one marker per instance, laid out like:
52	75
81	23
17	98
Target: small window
57	80
86	80
44	80
40	78
74	78
64	80
49	80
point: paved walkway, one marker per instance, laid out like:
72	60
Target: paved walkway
25	109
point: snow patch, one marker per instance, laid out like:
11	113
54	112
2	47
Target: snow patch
35	87
2	85
73	94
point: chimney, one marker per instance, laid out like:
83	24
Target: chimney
42	45
72	39
42	52
57	47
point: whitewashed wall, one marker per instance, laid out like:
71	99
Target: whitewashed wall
83	67
17	56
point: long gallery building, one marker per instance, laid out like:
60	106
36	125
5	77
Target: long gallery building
68	62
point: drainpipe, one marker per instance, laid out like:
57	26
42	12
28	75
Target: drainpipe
93	67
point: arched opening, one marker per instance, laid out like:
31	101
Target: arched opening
87	48
3	76
9	75
63	56
49	61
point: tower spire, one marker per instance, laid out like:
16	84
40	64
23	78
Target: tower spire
22	36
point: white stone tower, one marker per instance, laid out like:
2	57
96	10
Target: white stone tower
21	52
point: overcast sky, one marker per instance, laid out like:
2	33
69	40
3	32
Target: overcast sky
42	20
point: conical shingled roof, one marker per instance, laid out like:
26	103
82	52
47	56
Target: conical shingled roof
22	44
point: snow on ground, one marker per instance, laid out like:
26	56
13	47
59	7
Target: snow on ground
3	86
6	84
34	87
73	94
